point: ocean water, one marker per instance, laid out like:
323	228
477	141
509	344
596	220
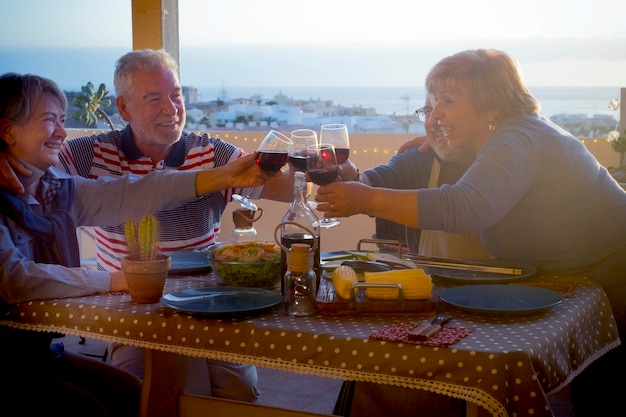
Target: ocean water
403	100
71	70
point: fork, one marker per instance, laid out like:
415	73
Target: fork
441	319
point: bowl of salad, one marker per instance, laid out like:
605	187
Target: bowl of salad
247	264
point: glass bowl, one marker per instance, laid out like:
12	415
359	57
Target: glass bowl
239	264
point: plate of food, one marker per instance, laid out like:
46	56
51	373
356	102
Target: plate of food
222	301
342	255
247	264
331	260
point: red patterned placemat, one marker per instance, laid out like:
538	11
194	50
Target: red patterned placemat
398	332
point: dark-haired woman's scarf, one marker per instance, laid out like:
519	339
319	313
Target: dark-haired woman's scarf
54	232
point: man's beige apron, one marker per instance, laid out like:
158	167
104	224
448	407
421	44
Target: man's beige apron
438	243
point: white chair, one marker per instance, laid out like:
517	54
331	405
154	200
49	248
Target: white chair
87	246
190	405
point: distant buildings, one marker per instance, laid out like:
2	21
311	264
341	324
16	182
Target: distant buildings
190	95
285	113
254	113
581	126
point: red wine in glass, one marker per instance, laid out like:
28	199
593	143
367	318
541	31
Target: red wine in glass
301	139
337	134
271	162
342	154
298	162
273	152
322	169
323	176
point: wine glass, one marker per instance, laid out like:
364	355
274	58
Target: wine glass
337	134
273	152
322	169
301	139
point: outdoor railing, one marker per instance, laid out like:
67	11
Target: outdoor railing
366	150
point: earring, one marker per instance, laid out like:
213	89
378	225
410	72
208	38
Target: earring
491	127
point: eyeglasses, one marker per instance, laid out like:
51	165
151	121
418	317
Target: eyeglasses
423	113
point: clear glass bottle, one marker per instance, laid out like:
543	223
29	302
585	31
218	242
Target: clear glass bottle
244	225
300	213
300	281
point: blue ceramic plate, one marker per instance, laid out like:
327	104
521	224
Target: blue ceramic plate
189	262
501	298
467	277
222	301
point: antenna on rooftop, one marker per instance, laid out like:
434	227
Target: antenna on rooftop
407	123
223	95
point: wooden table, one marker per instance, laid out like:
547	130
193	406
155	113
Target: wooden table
507	365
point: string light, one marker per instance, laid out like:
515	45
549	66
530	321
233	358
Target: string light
254	139
614	104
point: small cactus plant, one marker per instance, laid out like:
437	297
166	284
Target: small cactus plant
142	238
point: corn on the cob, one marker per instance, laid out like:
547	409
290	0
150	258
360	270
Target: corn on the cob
416	284
343	278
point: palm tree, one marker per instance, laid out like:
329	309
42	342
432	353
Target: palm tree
90	105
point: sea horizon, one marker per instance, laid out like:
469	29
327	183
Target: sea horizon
204	70
400	100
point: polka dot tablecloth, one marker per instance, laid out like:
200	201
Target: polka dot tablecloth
507	365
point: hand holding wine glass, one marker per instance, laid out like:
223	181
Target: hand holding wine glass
273	152
337	135
322	169
302	139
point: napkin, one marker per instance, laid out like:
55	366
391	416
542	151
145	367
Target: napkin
399	331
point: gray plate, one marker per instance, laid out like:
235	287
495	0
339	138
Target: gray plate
471	277
189	262
222	301
501	298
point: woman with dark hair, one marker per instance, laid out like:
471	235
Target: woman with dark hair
39	251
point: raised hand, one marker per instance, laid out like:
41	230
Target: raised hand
343	199
416	141
245	172
240	173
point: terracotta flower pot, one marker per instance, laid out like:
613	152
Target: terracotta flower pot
146	279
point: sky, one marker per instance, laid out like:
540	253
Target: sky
323	42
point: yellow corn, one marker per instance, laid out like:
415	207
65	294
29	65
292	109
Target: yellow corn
343	278
416	284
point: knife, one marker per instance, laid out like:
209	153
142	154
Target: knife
427	330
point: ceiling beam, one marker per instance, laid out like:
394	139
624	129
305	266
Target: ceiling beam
155	26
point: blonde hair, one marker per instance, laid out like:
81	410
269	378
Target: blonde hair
491	79
140	60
